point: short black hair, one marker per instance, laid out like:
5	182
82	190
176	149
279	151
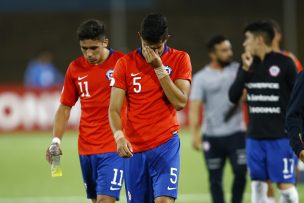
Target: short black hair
154	28
261	28
91	29
216	39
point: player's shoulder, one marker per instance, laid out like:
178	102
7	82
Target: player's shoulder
234	66
282	57
117	54
135	54
202	73
178	53
77	63
284	62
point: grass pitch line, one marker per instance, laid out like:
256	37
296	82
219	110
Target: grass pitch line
182	198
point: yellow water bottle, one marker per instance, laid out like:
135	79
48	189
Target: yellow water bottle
55	151
56	170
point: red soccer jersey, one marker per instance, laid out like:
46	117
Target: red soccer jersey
91	83
294	59
151	118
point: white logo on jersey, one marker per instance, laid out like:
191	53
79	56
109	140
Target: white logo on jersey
206	146
81	78
109	74
274	71
135	74
171	188
168	69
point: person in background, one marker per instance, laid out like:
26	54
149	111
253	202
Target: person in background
268	77
276	42
223	126
41	72
277	48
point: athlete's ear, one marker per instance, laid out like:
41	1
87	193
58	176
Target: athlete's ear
105	42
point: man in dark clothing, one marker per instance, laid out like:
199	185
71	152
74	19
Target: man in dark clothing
294	117
268	78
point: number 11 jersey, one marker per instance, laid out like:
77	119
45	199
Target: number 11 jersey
91	83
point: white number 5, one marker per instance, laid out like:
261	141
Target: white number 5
137	85
174	175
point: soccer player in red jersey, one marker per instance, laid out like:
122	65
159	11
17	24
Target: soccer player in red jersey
276	45
155	80
88	78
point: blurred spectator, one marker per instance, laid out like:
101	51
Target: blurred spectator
276	45
268	77
223	126
41	73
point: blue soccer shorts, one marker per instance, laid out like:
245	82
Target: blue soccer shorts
102	174
271	159
153	173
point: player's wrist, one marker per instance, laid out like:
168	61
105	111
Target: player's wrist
161	72
56	140
118	135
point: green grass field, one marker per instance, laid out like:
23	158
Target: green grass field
25	175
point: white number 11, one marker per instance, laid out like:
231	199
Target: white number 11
84	92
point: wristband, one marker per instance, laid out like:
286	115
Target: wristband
160	72
56	140
118	134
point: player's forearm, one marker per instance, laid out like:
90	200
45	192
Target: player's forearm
176	96
61	120
237	88
115	107
115	120
194	120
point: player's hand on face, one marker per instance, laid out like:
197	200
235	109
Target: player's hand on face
301	157
52	150
247	60
124	147
197	143
152	57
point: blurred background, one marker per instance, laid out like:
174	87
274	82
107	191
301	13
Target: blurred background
42	33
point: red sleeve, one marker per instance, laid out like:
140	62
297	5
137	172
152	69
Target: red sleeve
185	69
120	74
69	95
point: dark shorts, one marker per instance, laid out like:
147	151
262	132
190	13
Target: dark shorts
153	173
102	174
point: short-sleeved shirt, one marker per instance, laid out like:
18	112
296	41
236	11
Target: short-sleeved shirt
211	86
91	83
151	118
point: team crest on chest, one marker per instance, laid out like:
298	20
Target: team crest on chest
274	71
168	69
109	74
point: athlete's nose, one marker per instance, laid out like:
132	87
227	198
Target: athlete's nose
89	53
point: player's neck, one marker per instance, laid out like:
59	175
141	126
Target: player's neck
215	65
276	47
263	51
104	56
